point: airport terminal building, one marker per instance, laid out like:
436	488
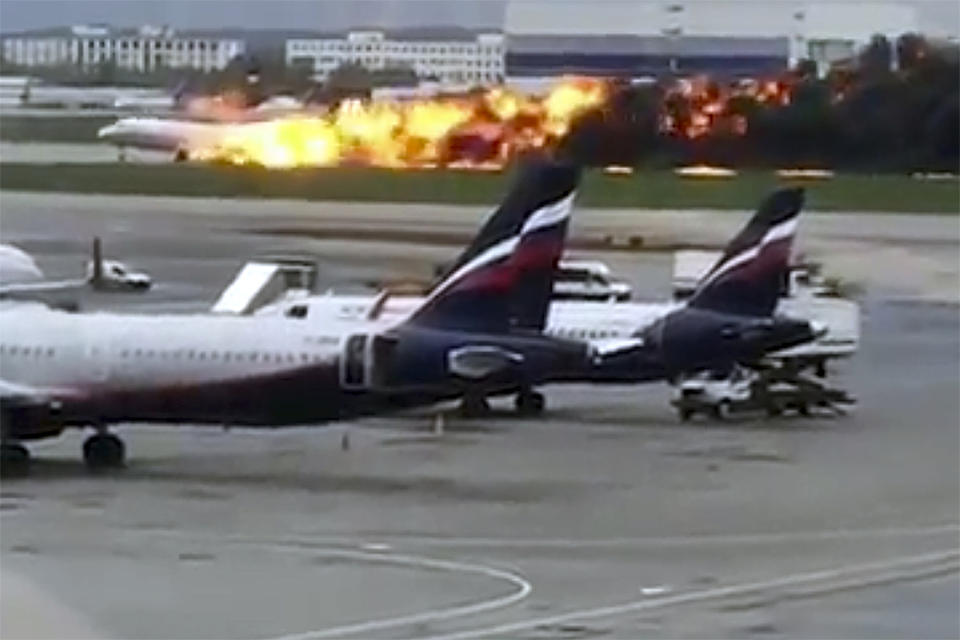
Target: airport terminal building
452	56
145	49
637	39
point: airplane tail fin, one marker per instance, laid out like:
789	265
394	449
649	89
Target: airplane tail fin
182	92
751	274
96	262
504	278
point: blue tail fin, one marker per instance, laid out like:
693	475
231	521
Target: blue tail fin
505	277
750	276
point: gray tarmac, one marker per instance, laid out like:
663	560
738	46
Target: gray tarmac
606	518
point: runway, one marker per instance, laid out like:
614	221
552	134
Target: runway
606	518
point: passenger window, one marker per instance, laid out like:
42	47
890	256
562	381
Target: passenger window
13	350
297	311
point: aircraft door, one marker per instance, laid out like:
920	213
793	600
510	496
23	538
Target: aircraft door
367	361
355	363
97	352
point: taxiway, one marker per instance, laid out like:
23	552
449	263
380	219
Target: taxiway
606	518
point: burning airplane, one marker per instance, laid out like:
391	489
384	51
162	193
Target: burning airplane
480	129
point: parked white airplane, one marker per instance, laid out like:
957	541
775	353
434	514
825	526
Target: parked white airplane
94	369
773	225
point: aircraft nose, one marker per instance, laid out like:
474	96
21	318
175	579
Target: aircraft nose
108	132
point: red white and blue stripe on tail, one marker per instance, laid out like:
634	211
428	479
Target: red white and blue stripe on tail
751	275
506	277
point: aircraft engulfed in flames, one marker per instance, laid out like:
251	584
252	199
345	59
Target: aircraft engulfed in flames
481	129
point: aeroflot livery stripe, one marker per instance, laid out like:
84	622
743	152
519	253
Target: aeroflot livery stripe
546	216
785	229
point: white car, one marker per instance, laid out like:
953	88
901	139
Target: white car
588	280
117	276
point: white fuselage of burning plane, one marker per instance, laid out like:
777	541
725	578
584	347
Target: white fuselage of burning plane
164	134
183	133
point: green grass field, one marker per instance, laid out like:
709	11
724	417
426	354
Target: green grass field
54	128
654	189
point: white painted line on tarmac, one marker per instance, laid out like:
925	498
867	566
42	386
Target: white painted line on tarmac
523	589
790	580
671	541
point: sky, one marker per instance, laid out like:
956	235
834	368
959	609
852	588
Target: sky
939	17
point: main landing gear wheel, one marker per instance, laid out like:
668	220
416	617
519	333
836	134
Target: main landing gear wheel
722	410
474	406
530	403
14	458
103	451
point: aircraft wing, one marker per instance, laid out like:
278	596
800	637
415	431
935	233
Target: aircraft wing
60	294
25	289
606	347
15	394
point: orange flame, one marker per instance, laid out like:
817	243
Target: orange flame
702	107
476	131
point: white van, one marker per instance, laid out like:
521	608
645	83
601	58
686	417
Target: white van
588	280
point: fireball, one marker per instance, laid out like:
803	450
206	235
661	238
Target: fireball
478	131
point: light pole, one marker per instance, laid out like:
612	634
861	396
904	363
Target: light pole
673	31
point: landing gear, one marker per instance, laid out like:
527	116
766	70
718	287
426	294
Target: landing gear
474	405
722	410
530	403
14	458
103	451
